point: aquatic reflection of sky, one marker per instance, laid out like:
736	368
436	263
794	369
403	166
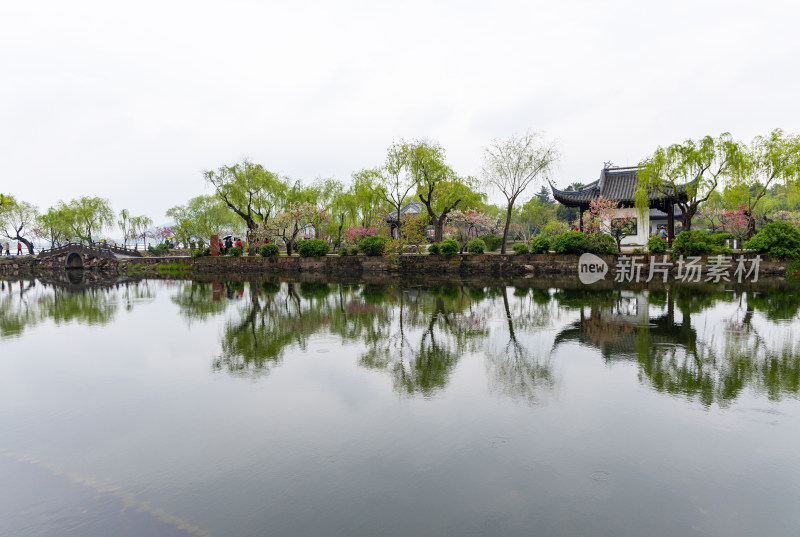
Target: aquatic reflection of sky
312	409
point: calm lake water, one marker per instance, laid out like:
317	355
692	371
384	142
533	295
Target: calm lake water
326	409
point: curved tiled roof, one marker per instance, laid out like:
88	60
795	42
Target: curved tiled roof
618	184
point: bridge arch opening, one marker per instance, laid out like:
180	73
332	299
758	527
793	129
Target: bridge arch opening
73	261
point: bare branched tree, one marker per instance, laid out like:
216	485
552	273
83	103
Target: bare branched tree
512	165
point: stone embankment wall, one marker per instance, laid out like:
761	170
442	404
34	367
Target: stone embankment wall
467	265
24	266
17	266
489	265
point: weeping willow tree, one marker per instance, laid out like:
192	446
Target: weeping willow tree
5	201
768	161
695	167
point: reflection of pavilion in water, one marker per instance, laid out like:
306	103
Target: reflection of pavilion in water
629	324
671	357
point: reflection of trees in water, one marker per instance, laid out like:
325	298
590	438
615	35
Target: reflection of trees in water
777	304
255	341
16	310
132	293
719	375
277	316
738	356
673	358
425	335
25	304
199	301
416	335
514	368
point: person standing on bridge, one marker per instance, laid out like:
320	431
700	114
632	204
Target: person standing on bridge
19	248
8	249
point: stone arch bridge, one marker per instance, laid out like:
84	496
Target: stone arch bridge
84	256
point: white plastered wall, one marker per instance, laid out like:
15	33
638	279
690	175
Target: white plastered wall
642	228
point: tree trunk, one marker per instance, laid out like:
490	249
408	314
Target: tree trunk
438	228
687	217
751	226
398	224
252	247
505	229
27	243
250	239
438	231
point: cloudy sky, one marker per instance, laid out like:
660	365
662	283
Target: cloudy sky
132	101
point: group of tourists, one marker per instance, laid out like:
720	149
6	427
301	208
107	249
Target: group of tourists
8	248
228	244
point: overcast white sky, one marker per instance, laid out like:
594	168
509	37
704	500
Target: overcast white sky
132	101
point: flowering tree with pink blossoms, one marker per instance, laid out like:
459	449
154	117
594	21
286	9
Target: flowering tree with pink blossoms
603	219
736	222
463	226
354	234
299	217
711	217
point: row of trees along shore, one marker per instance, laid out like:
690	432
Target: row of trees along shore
751	184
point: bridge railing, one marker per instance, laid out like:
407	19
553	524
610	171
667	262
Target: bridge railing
97	247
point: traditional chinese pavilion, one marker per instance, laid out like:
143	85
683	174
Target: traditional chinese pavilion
620	184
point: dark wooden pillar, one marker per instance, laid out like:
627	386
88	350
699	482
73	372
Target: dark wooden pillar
670	223
581	220
214	239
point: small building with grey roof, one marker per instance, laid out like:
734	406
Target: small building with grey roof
620	184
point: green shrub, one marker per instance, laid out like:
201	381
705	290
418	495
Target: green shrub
571	242
692	243
602	243
201	252
313	248
520	248
554	228
540	245
656	245
160	250
793	271
269	250
778	239
476	247
637	251
719	239
235	252
449	247
373	245
493	242
433	249
576	242
344	252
